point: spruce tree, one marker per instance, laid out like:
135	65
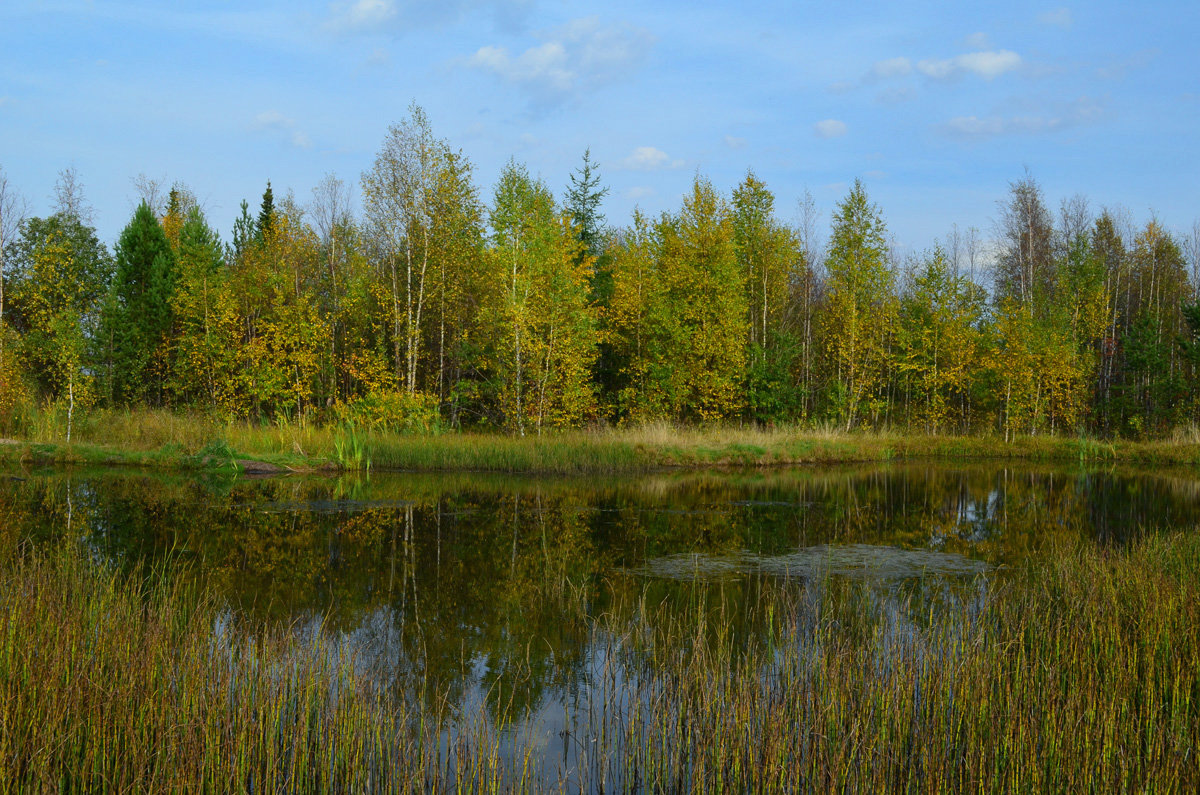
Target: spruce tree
243	234
266	214
583	204
139	312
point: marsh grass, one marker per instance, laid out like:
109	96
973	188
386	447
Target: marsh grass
166	438
1079	673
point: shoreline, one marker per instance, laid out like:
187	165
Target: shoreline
274	451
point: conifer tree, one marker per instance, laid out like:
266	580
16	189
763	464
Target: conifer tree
243	234
139	315
860	309
266	214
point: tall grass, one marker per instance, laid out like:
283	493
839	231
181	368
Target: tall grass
1081	673
163	437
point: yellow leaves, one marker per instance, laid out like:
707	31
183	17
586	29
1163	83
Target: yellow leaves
391	411
861	309
370	370
15	396
284	358
678	315
1042	372
939	342
52	281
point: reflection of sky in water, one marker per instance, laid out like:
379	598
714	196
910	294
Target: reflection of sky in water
577	726
484	587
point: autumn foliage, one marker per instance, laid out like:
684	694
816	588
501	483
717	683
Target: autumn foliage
437	309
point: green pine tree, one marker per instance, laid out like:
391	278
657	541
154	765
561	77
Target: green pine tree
138	316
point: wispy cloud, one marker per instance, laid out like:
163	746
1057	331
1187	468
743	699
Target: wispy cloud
580	55
1118	69
1058	17
1084	110
977	41
988	64
891	67
830	128
734	142
274	121
649	158
895	95
894	73
364	14
396	16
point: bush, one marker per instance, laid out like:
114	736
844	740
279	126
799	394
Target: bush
16	400
394	412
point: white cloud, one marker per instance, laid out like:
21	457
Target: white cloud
842	87
649	158
270	119
875	174
639	192
363	14
987	64
579	55
1084	110
1059	18
274	121
830	128
891	67
545	66
397	16
734	142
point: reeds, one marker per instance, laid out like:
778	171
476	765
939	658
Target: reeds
1079	673
163	438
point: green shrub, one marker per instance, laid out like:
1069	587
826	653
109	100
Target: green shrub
393	412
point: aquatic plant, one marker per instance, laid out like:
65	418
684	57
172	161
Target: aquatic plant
1079	672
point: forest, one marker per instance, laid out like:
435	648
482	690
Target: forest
439	308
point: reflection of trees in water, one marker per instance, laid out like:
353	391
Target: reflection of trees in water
457	582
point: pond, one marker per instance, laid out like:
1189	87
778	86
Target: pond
487	589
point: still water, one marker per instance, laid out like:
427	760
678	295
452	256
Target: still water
485	588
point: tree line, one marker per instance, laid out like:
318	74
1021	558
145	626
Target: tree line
437	309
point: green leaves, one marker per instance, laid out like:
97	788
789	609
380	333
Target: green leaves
139	315
859	314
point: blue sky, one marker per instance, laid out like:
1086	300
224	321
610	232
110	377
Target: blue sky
937	107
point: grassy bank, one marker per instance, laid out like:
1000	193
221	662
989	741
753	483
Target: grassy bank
160	438
1081	673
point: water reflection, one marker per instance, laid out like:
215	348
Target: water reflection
483	590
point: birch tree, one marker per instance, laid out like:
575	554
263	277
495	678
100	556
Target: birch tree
12	215
399	195
545	324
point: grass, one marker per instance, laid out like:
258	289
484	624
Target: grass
164	438
1078	673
